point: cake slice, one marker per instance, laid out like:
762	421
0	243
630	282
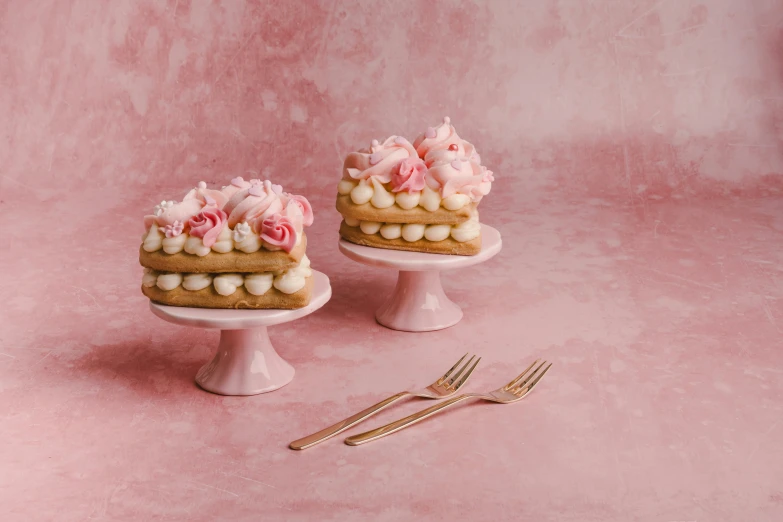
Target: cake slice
421	196
242	246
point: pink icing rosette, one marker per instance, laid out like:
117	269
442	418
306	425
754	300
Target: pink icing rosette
304	206
474	187
268	186
408	175
236	184
208	224
279	231
181	212
253	204
440	137
379	160
294	214
207	196
454	166
460	177
204	213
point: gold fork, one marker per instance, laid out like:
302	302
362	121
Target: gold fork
445	386
514	391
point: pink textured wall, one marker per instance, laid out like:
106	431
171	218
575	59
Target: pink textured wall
636	97
611	126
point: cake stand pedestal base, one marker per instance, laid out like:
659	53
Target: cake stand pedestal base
246	362
418	302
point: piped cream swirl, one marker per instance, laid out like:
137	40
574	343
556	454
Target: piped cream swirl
288	282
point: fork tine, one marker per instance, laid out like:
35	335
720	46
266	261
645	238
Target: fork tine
527	388
464	379
516	379
446	375
522	383
451	381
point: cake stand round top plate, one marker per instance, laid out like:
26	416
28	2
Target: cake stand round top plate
231	319
421	261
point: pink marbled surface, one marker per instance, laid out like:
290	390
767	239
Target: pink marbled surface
638	160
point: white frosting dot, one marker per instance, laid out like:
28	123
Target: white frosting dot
345	186
153	240
413	232
381	198
294	279
370	227
455	201
169	281
466	231
408	200
196	282
174	245
259	284
437	232
391	230
227	284
149	279
195	245
429	200
251	243
362	193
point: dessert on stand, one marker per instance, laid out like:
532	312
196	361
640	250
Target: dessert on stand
235	259
420	197
413	207
242	246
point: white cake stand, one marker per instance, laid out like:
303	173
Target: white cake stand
418	303
246	363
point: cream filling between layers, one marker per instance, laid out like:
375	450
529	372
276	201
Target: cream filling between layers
227	241
411	232
380	196
287	281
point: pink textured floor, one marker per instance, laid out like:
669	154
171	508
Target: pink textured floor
637	151
663	320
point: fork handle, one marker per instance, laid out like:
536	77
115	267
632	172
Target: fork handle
331	431
410	420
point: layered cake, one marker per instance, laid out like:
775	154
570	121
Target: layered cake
421	196
242	246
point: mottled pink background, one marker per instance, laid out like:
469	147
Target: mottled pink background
639	96
638	157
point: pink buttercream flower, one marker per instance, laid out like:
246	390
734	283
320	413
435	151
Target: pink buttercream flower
253	205
408	175
207	196
174	230
182	212
267	186
208	224
279	231
488	177
470	186
304	205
